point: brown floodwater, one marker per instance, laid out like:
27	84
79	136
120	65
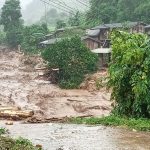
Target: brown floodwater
23	85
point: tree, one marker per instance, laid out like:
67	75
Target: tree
73	59
107	11
60	24
12	22
130	74
32	36
74	20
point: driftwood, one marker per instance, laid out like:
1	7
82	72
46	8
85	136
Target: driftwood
15	113
3	108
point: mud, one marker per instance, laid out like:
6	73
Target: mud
80	137
23	85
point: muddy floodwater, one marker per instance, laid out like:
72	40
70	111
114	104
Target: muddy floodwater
80	137
22	84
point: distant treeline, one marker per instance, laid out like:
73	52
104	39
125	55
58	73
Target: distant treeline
107	11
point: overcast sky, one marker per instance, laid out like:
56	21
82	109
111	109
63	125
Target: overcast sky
25	2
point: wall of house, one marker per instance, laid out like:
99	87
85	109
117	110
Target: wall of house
104	33
91	44
138	29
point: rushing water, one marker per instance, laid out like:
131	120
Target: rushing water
80	137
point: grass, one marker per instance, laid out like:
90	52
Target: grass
7	143
130	123
3	131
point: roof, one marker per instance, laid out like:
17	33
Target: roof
148	26
117	25
93	33
102	51
50	41
88	37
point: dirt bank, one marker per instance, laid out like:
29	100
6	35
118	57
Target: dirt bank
22	85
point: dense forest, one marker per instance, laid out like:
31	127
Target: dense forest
107	11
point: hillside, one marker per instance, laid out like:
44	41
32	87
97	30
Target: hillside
119	11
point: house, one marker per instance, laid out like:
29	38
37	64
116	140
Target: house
101	33
98	38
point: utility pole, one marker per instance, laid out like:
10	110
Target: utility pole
45	5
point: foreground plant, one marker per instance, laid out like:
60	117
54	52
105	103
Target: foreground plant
130	74
131	123
7	143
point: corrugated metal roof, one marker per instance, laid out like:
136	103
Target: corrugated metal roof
116	25
102	50
88	37
148	26
50	41
93	33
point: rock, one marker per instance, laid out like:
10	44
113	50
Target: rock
134	130
39	146
9	123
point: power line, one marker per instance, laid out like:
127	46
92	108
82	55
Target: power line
82	3
60	4
64	4
48	3
45	12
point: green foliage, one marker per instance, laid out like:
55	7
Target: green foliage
130	74
74	20
32	35
60	24
23	144
7	143
73	59
3	131
131	123
2	37
11	20
118	11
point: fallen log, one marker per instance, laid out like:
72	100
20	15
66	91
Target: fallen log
16	114
4	108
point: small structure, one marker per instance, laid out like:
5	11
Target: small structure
91	42
147	30
49	42
104	56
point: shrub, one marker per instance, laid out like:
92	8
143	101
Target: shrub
32	36
130	74
73	59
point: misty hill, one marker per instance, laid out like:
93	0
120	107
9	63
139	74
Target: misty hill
36	9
